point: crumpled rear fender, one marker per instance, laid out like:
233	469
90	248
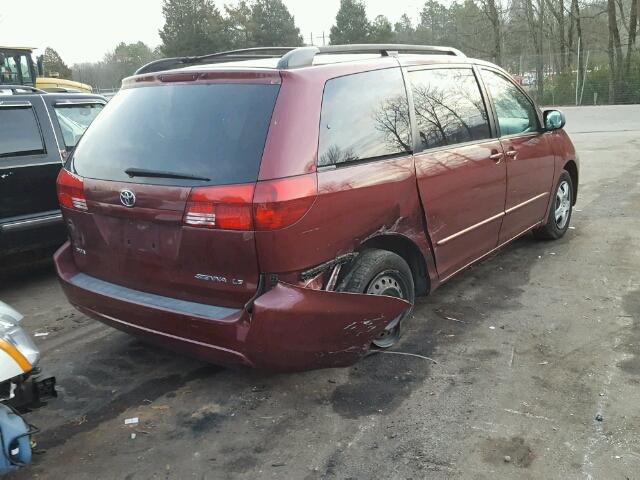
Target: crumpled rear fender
296	328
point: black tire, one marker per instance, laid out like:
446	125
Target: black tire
555	229
385	272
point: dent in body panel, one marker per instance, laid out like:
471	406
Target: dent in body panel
354	203
462	187
290	328
295	328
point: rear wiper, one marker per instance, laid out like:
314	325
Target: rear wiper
142	172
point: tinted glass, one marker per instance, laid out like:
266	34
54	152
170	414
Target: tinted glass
515	112
19	134
214	131
449	107
74	120
365	115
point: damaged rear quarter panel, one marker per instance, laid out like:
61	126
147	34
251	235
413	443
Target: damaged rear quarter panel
296	328
354	202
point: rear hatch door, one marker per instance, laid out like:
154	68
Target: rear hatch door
151	163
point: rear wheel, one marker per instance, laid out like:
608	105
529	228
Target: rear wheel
560	212
380	272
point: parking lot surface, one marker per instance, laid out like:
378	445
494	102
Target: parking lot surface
500	374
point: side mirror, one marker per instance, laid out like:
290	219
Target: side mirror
553	120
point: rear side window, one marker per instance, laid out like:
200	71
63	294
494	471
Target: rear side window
212	131
20	134
74	120
364	116
449	107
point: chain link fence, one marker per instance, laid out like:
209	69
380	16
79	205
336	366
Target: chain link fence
569	79
565	78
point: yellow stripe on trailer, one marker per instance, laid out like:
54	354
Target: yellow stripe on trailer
45	83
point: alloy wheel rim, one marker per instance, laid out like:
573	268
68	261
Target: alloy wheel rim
562	204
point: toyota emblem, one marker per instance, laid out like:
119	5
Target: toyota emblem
127	198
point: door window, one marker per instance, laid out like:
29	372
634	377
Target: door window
449	107
364	116
516	114
25	70
19	134
9	70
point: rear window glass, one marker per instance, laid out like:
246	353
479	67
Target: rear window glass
364	116
19	132
449	107
212	131
74	120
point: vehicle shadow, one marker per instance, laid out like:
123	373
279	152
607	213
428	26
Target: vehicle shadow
22	271
381	382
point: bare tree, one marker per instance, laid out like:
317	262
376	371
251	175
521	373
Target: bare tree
614	52
633	25
493	14
557	10
535	20
575	22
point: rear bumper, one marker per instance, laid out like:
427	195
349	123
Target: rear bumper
289	328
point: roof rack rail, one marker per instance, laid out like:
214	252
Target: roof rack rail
256	53
293	57
16	89
303	56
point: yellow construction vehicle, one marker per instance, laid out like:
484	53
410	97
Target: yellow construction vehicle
18	68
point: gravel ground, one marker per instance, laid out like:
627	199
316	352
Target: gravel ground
531	344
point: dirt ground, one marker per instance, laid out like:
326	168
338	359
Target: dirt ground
530	345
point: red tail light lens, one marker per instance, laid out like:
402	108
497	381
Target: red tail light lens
280	203
71	191
266	205
226	207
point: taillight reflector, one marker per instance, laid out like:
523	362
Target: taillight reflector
280	203
71	191
226	207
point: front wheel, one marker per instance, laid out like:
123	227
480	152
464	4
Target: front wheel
560	212
380	272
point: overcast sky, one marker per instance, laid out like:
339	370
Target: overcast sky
83	30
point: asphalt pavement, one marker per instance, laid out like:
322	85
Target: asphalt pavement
510	363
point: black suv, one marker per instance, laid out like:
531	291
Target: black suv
37	131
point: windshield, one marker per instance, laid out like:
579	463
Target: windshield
212	131
74	120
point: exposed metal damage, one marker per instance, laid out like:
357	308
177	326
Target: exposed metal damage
296	328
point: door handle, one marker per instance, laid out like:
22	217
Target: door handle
496	157
512	153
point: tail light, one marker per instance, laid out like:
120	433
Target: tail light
71	191
225	207
280	203
268	205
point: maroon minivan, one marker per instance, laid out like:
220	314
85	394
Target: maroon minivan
282	208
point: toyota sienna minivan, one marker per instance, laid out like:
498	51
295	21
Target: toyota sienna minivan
283	208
